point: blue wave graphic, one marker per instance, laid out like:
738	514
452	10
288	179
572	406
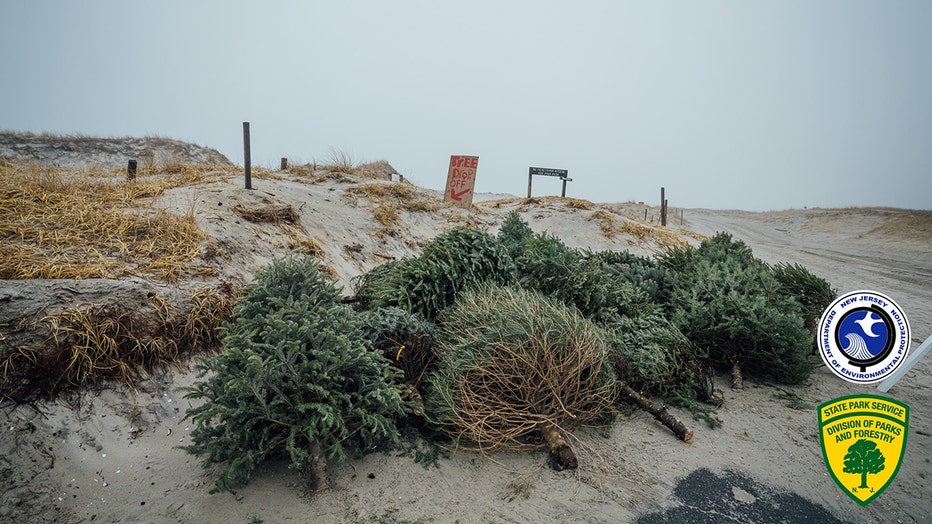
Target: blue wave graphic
857	348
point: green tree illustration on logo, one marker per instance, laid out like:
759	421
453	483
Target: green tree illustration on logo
863	457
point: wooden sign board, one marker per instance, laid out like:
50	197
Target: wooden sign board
548	171
563	174
461	179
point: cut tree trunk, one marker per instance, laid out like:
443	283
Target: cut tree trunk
317	470
665	417
561	455
737	382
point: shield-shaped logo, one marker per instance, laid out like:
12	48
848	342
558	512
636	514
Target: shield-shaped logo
863	442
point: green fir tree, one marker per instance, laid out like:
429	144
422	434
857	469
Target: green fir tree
734	309
296	377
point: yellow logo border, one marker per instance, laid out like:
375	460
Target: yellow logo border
840	415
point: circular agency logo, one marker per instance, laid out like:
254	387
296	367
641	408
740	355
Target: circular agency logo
863	336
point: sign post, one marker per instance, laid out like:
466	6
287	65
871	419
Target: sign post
247	162
547	171
461	180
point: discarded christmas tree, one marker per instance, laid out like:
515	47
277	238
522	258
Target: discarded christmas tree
455	261
813	293
406	340
547	265
730	305
296	376
654	359
624	295
513	365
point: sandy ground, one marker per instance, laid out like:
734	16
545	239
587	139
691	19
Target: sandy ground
111	456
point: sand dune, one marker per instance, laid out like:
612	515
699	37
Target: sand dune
109	455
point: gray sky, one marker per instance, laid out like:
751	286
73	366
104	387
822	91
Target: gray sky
752	105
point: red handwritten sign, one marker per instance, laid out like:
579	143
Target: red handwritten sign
461	179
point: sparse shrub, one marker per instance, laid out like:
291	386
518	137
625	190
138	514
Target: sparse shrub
295	376
645	274
340	161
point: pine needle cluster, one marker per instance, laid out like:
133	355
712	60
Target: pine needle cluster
813	293
545	264
455	261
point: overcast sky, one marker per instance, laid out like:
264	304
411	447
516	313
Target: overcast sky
752	105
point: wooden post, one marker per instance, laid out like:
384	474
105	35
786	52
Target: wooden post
645	214
131	170
563	193
246	159
284	163
665	204
529	176
663	215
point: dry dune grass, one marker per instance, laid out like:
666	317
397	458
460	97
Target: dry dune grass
299	241
302	170
342	171
575	203
606	223
872	223
541	201
611	226
84	151
56	223
269	214
340	162
379	169
611	222
910	225
306	245
89	343
387	199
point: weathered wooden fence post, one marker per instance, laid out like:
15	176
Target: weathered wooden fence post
246	159
131	170
663	209
284	163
